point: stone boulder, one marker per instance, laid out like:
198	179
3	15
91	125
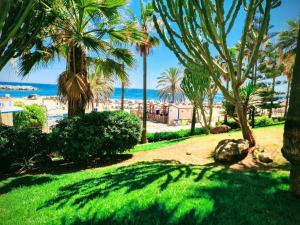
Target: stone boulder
265	157
41	160
220	129
231	150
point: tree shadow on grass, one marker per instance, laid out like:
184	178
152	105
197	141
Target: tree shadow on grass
62	167
237	197
254	197
132	177
24	181
155	214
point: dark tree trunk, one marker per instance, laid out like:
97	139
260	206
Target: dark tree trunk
272	97
77	65
122	95
144	131
287	97
241	111
193	124
291	137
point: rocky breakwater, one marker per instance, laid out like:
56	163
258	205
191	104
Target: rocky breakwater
17	88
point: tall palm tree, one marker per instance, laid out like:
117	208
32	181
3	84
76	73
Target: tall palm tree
143	47
102	85
21	23
86	28
124	84
291	140
169	85
287	43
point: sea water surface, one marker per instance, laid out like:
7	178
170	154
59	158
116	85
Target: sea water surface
51	90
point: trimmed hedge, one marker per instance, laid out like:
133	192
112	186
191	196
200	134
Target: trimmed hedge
263	121
20	144
96	134
161	136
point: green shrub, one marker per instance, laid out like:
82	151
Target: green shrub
161	136
278	119
19	144
263	121
219	123
31	116
233	124
96	134
20	104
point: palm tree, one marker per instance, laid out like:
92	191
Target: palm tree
83	28
287	43
287	39
291	141
169	85
124	84
101	84
143	47
21	23
288	64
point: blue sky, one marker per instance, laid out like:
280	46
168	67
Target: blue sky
160	59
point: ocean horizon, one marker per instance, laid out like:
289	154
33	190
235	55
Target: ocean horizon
51	90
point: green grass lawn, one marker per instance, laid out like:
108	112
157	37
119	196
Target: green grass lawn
157	193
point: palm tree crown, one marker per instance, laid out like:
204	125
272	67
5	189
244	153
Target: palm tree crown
86	29
169	85
147	28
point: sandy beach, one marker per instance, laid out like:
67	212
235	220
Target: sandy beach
57	110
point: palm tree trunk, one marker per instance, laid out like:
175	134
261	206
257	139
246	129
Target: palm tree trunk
291	137
77	65
173	95
193	124
287	97
272	97
122	95
144	131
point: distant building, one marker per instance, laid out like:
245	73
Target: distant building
171	114
6	111
180	114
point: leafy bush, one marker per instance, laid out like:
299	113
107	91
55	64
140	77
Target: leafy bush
263	121
19	144
161	136
278	119
96	134
20	104
31	116
233	124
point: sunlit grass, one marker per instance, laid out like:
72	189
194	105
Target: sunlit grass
156	145
150	193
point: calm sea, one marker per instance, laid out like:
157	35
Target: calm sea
51	90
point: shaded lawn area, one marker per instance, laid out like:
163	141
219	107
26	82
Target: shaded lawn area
160	193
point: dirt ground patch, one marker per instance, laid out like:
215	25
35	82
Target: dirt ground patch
198	150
